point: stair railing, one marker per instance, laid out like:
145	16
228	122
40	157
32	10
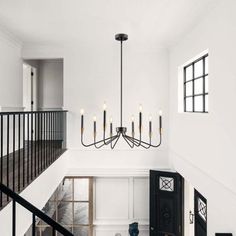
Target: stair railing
35	213
30	141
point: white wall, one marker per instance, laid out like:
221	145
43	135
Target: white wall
10	80
50	84
202	146
10	72
91	76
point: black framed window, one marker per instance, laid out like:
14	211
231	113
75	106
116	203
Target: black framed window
196	85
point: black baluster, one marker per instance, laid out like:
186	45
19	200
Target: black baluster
23	151
28	137
41	141
38	120
31	143
7	154
44	140
13	146
53	232
19	153
50	127
13	218
1	159
53	136
46	132
35	151
50	121
33	225
54	140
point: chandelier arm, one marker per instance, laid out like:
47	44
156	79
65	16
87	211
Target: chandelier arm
104	138
97	142
140	139
138	144
104	143
128	141
143	142
117	138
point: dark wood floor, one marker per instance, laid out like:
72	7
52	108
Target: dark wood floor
19	169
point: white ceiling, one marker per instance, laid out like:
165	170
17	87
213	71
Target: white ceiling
161	22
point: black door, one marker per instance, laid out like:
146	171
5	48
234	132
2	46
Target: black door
200	212
166	203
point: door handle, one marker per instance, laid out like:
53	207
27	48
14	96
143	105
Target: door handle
152	228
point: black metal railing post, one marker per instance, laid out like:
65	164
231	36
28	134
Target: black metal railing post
23	151
28	157
19	160
31	144
33	224
14	152
7	153
13	217
1	161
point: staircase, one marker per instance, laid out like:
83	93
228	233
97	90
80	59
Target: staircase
36	214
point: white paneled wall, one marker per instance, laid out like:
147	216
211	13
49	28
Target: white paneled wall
120	201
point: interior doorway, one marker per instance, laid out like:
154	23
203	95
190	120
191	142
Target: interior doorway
30	98
43	84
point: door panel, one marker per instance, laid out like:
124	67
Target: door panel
166	203
200	212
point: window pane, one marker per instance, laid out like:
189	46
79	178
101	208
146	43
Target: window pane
65	192
68	228
198	103
189	88
198	86
81	213
198	68
65	213
189	104
206	84
206	103
81	188
189	73
81	231
206	65
202	209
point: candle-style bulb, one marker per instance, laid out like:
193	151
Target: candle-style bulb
110	119
94	118
160	112
132	118
140	107
104	106
81	111
150	118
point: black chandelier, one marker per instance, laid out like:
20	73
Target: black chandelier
121	131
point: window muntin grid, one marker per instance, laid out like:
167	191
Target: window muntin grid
196	85
70	207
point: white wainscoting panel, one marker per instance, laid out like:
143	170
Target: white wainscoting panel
141	199
112	199
120	201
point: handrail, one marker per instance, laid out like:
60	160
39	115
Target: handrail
35	211
29	112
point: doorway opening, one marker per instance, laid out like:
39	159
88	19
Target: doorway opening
43	84
30	98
